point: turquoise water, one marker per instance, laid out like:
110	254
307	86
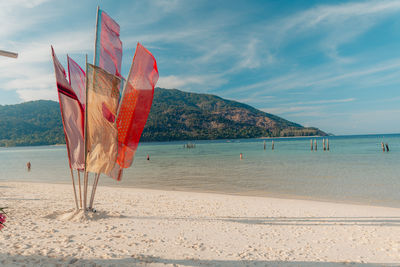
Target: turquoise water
355	169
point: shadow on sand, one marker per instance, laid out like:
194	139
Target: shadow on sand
298	221
143	260
19	199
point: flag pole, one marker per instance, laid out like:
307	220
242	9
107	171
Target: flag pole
73	185
94	63
91	195
80	190
85	179
96	36
95	182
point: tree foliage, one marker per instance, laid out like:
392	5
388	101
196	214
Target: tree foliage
175	115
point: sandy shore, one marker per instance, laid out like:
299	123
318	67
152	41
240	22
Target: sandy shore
139	227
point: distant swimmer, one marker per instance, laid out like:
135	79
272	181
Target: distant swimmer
241	156
387	147
28	166
148	157
383	147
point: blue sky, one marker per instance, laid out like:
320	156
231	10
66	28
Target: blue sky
334	65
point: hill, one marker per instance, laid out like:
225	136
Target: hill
175	115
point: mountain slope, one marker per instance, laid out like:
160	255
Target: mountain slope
31	123
175	115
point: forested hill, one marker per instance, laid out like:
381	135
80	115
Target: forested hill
175	115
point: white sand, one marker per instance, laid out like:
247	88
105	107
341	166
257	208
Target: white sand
153	227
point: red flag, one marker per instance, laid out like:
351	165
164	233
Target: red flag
136	104
72	118
108	46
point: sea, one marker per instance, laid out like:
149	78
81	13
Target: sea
354	170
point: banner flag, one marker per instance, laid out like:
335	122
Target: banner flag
72	117
136	104
102	104
77	80
108	46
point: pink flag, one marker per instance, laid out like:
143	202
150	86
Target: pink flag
71	114
77	80
136	104
108	46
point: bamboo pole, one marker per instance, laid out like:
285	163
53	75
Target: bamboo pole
265	145
85	179
327	144
311	144
323	144
273	145
96	36
315	144
73	185
80	189
95	182
91	195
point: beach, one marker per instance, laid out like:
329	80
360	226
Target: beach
147	227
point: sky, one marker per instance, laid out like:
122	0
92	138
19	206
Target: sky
334	65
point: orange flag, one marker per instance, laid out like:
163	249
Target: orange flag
102	104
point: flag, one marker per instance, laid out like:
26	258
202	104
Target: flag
102	104
77	80
108	46
72	117
136	104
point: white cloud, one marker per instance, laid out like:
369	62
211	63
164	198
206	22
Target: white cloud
31	75
288	109
329	101
17	16
324	77
338	24
37	94
182	82
306	109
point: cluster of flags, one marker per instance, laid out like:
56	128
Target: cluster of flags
102	113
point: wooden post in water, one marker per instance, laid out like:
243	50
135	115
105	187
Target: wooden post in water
327	144
383	147
265	145
315	144
323	144
312	148
273	145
